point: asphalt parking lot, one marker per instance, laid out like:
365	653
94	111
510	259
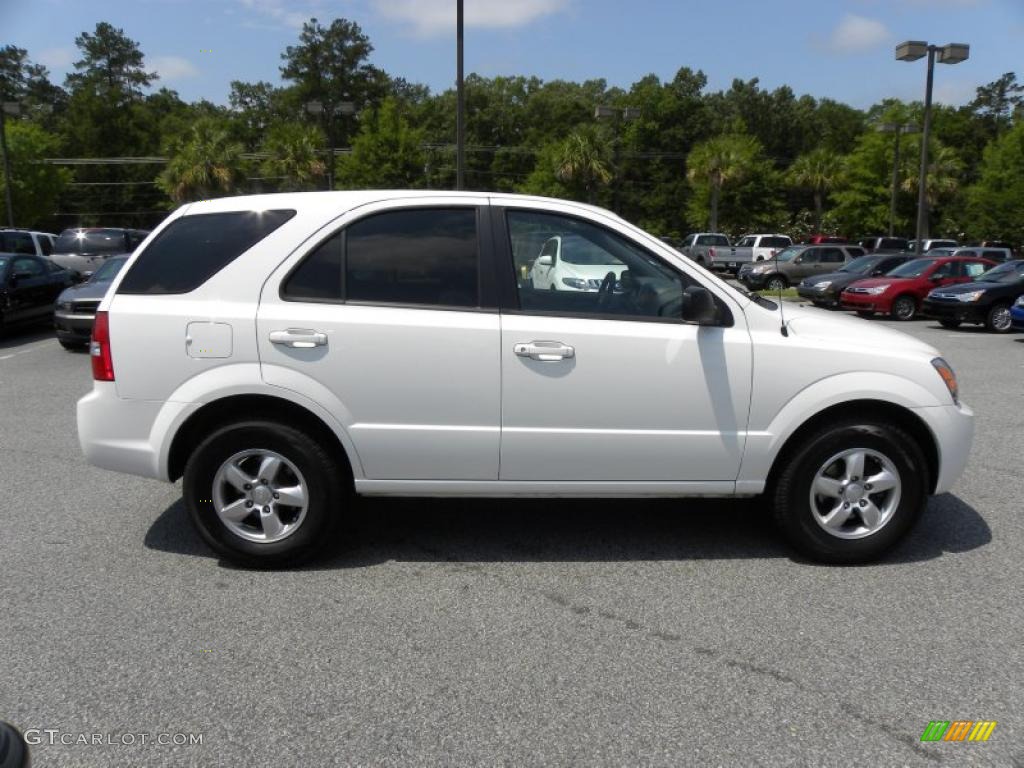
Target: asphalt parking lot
496	632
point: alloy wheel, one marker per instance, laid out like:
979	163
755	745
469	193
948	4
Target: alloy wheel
855	493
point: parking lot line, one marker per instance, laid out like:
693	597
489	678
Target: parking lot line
26	350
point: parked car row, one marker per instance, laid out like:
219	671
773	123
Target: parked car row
41	272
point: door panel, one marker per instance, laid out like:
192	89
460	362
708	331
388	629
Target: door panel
416	387
638	401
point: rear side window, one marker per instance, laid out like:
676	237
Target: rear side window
416	256
192	249
855	252
318	277
17	242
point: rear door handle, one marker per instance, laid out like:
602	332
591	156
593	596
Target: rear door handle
299	338
545	351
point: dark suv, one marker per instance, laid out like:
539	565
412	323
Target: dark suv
83	250
873	244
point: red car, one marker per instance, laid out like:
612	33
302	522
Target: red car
899	293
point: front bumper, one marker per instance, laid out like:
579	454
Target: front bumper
752	280
72	327
953	310
818	296
953	428
1017	317
863	302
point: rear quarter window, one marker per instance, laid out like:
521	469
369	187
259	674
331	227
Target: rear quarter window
192	249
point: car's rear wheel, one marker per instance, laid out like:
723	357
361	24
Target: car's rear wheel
264	494
851	491
951	324
903	308
998	319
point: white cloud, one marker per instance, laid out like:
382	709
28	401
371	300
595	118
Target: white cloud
432	17
955	93
858	33
171	68
278	11
56	58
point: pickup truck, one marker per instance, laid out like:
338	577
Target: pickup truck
749	248
701	247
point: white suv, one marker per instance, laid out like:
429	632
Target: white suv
282	352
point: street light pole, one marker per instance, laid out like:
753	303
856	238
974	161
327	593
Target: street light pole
951	53
618	115
460	102
898	129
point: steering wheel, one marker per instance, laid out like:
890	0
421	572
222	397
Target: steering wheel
606	291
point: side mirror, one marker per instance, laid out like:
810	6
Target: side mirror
699	306
936	278
545	260
878	272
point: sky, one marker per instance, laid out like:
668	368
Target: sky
841	49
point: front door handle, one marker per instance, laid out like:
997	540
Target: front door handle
299	338
545	351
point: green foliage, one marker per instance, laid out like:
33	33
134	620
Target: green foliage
718	164
36	186
293	163
818	171
111	64
205	162
387	153
995	203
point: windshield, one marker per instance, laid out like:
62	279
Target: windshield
576	250
3	264
861	265
110	268
914	268
788	254
90	241
1010	272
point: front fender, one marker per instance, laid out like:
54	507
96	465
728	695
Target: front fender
763	445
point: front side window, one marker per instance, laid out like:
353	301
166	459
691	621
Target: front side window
832	256
45	245
949	269
18	242
811	256
31	267
597	273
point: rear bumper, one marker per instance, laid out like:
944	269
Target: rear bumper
126	435
963	313
953	427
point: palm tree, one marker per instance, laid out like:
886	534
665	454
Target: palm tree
721	161
944	170
819	171
205	162
585	159
292	150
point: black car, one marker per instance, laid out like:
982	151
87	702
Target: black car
883	244
29	285
85	250
824	290
76	306
984	301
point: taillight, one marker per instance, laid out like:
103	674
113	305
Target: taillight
99	349
711	254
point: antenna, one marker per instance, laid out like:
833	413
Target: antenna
782	315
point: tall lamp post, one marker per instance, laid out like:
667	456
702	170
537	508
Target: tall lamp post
329	112
12	108
898	129
618	115
460	101
951	53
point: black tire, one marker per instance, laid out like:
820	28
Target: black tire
13	750
791	494
776	283
951	324
328	488
865	313
998	319
74	346
903	308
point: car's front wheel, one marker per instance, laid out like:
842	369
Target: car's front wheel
903	308
262	493
776	283
851	491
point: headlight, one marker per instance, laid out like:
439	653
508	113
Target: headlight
823	285
972	296
877	289
575	282
64	306
948	376
761	268
1019	302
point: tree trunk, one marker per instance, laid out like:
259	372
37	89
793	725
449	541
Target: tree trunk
817	211
713	224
